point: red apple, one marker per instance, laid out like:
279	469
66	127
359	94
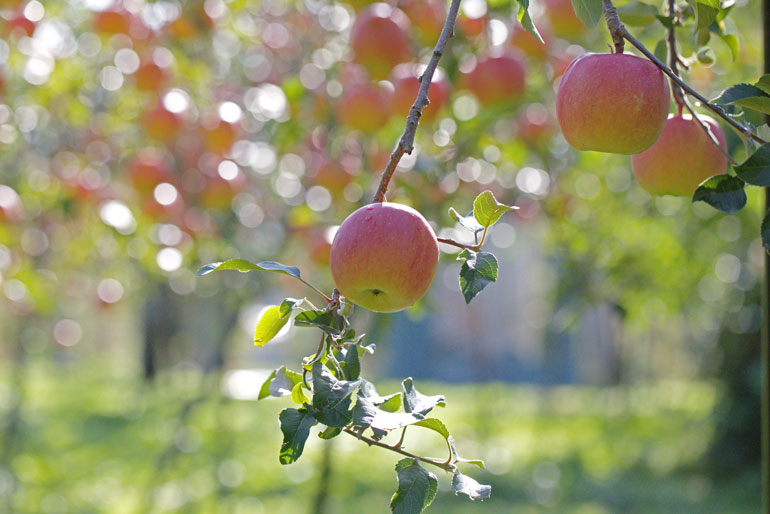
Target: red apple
563	20
384	257
616	103
150	77
681	158
379	39
427	17
364	106
148	169
497	78
406	83
162	124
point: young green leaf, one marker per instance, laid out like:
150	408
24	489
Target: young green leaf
723	192
349	362
295	426
588	11
477	272
756	169
704	16
731	40
487	210
416	488
764	83
298	395
711	3
326	321
273	320
468	222
466	485
415	401
368	416
330	433
637	14
390	403
526	21
243	266
283	382
264	391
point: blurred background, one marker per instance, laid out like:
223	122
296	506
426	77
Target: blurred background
612	368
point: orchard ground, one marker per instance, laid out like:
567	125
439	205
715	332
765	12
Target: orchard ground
577	450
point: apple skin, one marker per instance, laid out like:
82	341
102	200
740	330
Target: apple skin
406	83
384	257
681	158
497	79
379	39
615	103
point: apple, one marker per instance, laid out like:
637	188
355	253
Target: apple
112	21
148	169
384	257
521	38
616	103
406	83
162	124
472	20
427	17
563	20
379	39
150	77
364	107
498	78
681	158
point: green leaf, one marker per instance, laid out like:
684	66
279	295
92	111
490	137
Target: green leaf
765	231
330	433
731	40
381	422
756	103
738	92
298	394
331	397
764	83
416	488
436	425
468	221
723	192
711	3
588	11
477	272
637	14
704	16
295	426
390	403
264	391
661	50
756	169
273	320
466	485
415	401
283	382
349	362
487	210
243	266
526	21
326	321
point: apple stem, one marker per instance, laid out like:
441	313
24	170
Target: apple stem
614	25
619	29
406	142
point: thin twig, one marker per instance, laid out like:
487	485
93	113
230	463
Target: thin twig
709	133
619	29
406	142
458	244
673	57
446	466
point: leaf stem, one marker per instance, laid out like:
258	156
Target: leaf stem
446	466
458	244
617	29
406	142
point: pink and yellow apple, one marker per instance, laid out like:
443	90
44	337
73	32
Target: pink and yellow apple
364	106
681	158
406	83
384	257
498	78
427	16
616	103
379	39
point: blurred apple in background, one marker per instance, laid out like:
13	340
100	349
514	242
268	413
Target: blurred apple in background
406	83
364	106
379	39
498	78
681	158
427	17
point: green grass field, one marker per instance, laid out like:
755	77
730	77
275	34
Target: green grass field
93	439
